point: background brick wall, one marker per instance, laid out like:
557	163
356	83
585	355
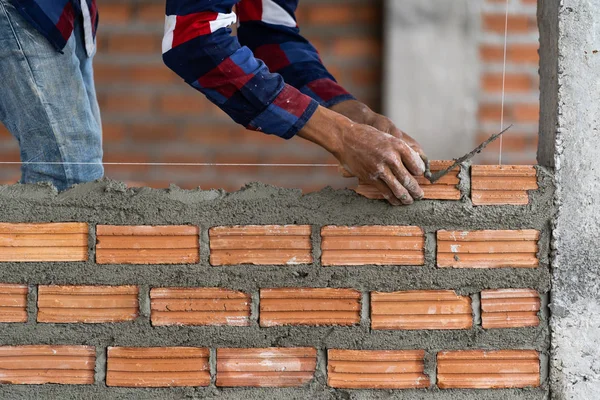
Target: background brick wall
150	115
522	80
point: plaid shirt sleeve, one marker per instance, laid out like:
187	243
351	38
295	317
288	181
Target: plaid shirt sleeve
198	46
269	29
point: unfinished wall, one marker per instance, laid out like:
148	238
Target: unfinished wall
569	141
455	294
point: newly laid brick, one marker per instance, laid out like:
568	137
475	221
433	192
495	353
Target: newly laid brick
480	369
176	244
13	302
444	189
199	306
510	308
157	366
420	309
488	249
375	369
87	304
378	245
268	367
29	365
502	184
309	306
44	242
260	244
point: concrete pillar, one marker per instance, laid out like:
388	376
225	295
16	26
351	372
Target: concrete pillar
431	72
570	141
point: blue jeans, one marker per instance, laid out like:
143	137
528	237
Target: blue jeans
48	103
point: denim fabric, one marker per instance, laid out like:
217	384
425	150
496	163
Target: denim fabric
48	102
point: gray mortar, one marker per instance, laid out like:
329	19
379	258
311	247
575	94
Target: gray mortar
108	202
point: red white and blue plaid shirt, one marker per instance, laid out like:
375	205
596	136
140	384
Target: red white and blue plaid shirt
268	79
55	19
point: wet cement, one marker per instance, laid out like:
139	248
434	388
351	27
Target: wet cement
109	202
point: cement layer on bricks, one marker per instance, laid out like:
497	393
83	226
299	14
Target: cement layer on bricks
314	391
251	279
139	334
110	202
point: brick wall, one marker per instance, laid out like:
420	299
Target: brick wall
149	115
522	80
138	293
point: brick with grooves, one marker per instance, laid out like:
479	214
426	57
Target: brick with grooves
13	302
444	189
157	366
256	244
379	245
376	369
199	306
480	369
147	244
420	309
488	249
266	367
502	184
41	364
87	304
510	308
44	242
309	306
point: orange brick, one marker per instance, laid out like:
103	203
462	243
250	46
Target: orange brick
490	112
309	306
502	184
153	74
374	369
526	112
87	304
488	249
129	43
268	367
35	365
510	308
176	244
517	24
154	13
523	53
479	369
115	13
351	47
157	366
13	302
378	245
420	309
199	306
514	83
44	242
265	244
444	189
182	104
118	102
518	53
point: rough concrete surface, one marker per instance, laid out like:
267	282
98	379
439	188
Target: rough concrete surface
109	202
575	298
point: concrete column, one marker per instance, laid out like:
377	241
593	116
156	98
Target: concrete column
570	140
431	72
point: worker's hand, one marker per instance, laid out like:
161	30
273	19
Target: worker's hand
375	157
361	113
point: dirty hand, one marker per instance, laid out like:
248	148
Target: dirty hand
375	157
361	113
